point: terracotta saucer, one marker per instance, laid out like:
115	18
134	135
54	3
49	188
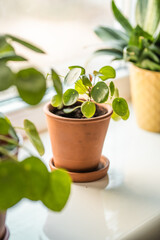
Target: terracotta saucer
98	173
6	236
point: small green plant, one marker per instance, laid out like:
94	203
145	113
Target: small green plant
140	44
29	82
94	90
30	177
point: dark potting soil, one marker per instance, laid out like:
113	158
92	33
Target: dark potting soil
77	112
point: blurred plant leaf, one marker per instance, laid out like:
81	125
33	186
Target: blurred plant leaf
33	136
109	51
36	175
108	34
58	190
24	43
112	88
6	77
82	69
148	64
57	83
148	15
108	72
121	19
31	85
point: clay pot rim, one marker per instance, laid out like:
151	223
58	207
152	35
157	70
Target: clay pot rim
75	120
143	69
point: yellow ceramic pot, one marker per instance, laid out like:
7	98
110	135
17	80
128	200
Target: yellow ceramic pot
145	92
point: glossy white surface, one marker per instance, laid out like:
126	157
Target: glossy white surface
123	205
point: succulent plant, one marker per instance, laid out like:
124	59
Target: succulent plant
139	44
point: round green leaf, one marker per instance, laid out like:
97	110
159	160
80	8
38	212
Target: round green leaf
100	92
115	117
56	100
88	109
120	106
12	183
31	85
57	82
82	69
70	97
108	72
72	76
33	136
125	117
57	193
112	88
6	77
86	81
37	177
79	87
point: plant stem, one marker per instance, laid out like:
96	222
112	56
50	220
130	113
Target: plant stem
7	153
9	140
21	128
12	141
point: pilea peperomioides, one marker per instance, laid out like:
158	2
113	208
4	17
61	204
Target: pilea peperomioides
94	90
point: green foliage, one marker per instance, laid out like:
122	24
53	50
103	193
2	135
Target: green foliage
30	83
88	109
72	76
94	89
6	77
70	97
82	69
33	136
139	44
107	72
31	179
100	92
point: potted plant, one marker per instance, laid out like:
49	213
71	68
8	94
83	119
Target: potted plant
78	124
28	178
139	45
29	82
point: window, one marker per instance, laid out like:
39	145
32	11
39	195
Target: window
63	28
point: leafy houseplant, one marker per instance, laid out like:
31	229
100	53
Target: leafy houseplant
78	125
139	45
29	82
28	178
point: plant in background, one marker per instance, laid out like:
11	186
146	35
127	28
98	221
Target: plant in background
30	83
30	177
140	44
94	90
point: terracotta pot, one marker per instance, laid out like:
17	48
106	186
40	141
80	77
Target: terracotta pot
145	91
77	143
4	233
